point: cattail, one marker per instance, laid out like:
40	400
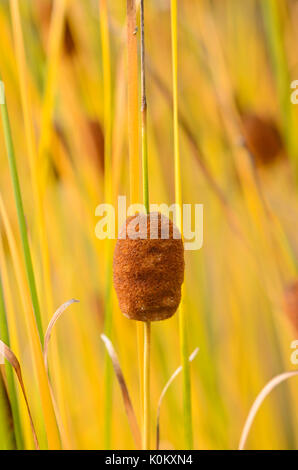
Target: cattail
149	272
291	303
262	138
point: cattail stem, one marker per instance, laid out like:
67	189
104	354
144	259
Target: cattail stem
108	194
133	143
146	422
34	317
178	197
9	375
147	326
144	114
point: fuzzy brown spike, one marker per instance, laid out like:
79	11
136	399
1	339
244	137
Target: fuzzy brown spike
148	273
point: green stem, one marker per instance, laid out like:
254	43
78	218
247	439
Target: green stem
9	375
21	217
108	194
147	325
146	417
178	196
144	115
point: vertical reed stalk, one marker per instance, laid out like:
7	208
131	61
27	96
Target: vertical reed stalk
133	141
12	321
108	194
147	325
33	317
48	305
178	199
31	147
146	415
144	115
133	102
21	218
9	374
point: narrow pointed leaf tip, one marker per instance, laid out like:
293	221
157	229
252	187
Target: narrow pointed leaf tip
169	382
258	402
53	321
13	361
124	390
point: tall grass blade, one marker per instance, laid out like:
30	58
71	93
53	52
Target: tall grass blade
51	325
21	217
133	145
258	402
11	358
34	318
124	390
108	194
187	412
164	391
9	374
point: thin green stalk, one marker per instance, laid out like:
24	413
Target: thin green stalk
108	193
21	218
6	437
133	146
146	417
144	115
147	325
178	196
4	334
33	317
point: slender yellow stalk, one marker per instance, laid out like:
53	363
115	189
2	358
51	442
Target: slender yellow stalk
178	199
32	314
133	101
147	325
31	147
14	339
133	141
24	89
34	169
54	49
108	195
146	418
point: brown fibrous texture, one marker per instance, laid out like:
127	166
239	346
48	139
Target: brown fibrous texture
291	303
148	272
262	138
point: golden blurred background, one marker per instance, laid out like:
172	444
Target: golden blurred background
239	157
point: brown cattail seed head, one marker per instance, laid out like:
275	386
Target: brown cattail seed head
149	267
291	303
262	138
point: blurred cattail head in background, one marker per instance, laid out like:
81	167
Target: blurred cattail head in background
262	138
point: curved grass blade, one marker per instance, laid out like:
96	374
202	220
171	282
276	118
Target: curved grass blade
258	402
124	390
11	358
169	382
48	334
34	317
51	325
9	373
